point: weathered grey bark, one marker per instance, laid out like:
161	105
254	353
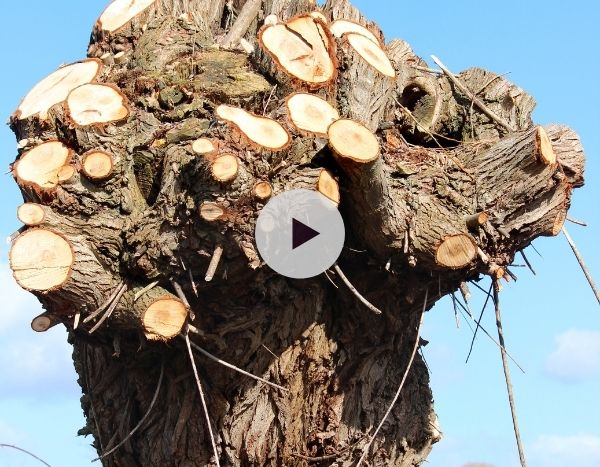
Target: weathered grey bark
340	362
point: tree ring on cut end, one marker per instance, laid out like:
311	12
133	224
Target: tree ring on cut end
120	12
97	165
41	260
40	166
164	318
55	87
92	104
456	251
352	140
225	168
31	214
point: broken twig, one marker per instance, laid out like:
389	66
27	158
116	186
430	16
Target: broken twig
472	96
204	406
235	368
110	309
478	325
214	263
527	262
106	304
509	388
489	294
145	290
363	300
576	221
584	268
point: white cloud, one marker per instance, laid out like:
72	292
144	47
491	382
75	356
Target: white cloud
576	356
32	364
560	451
17	304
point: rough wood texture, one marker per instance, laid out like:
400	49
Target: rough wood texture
412	163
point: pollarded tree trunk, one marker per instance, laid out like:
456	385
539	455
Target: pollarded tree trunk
144	168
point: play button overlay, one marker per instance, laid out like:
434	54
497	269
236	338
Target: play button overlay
300	233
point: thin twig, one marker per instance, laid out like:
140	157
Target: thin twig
536	250
106	304
24	451
455	311
242	23
214	263
194	288
77	319
470	95
180	294
269	99
140	293
235	368
270	351
584	268
427	70
462	313
465	292
330	279
204	406
489	294
404	377
473	102
363	300
527	262
419	126
110	309
512	275
479	325
143	419
576	221
509	388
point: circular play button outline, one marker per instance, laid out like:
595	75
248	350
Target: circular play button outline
300	233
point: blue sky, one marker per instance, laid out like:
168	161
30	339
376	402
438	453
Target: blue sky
551	321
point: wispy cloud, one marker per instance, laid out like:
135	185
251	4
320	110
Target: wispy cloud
560	451
576	356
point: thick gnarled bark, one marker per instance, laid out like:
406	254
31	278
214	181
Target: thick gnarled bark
158	154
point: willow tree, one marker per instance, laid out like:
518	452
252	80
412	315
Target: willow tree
144	166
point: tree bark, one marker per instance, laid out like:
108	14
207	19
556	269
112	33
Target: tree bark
448	196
